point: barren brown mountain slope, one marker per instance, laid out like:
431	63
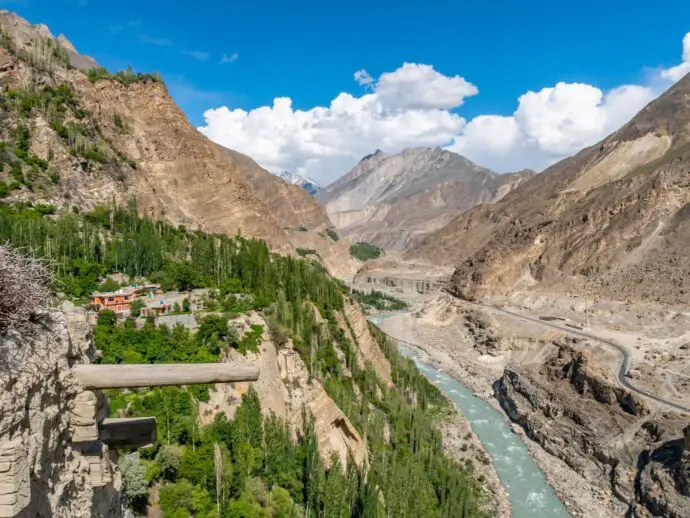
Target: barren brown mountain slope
180	175
105	140
114	141
615	217
393	201
303	219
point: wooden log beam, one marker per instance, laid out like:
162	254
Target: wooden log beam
137	432
133	376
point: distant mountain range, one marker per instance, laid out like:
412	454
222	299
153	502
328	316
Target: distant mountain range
393	201
307	184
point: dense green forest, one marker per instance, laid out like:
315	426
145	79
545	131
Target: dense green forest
365	251
251	465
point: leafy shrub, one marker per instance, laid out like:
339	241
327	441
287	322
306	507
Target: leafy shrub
120	123
332	234
231	285
168	460
251	339
45	209
214	332
17	172
134	481
94	74
303	252
365	251
136	307
125	77
109	285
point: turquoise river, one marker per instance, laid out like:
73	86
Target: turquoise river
529	493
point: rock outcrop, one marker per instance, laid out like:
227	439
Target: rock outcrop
356	327
393	201
286	389
51	462
610	436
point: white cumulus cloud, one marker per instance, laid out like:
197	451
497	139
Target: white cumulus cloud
550	124
420	87
417	105
677	72
363	77
324	142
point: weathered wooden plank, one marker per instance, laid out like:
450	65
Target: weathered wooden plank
132	376
137	432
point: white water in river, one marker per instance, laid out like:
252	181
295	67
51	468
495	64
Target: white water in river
529	493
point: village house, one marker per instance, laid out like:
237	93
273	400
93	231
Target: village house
119	301
155	309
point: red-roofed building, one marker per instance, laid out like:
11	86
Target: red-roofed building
119	301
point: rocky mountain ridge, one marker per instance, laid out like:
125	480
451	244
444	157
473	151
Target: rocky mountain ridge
612	220
108	138
393	201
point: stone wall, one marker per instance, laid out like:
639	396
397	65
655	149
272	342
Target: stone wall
401	285
51	461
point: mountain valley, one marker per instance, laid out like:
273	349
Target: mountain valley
560	298
107	190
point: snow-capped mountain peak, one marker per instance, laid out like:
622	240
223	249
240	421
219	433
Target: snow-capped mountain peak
309	185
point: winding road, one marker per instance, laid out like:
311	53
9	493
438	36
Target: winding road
622	370
625	353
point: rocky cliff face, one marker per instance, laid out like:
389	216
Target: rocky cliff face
286	388
615	217
391	201
303	220
577	413
45	469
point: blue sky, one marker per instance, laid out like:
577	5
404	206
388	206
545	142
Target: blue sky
309	50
